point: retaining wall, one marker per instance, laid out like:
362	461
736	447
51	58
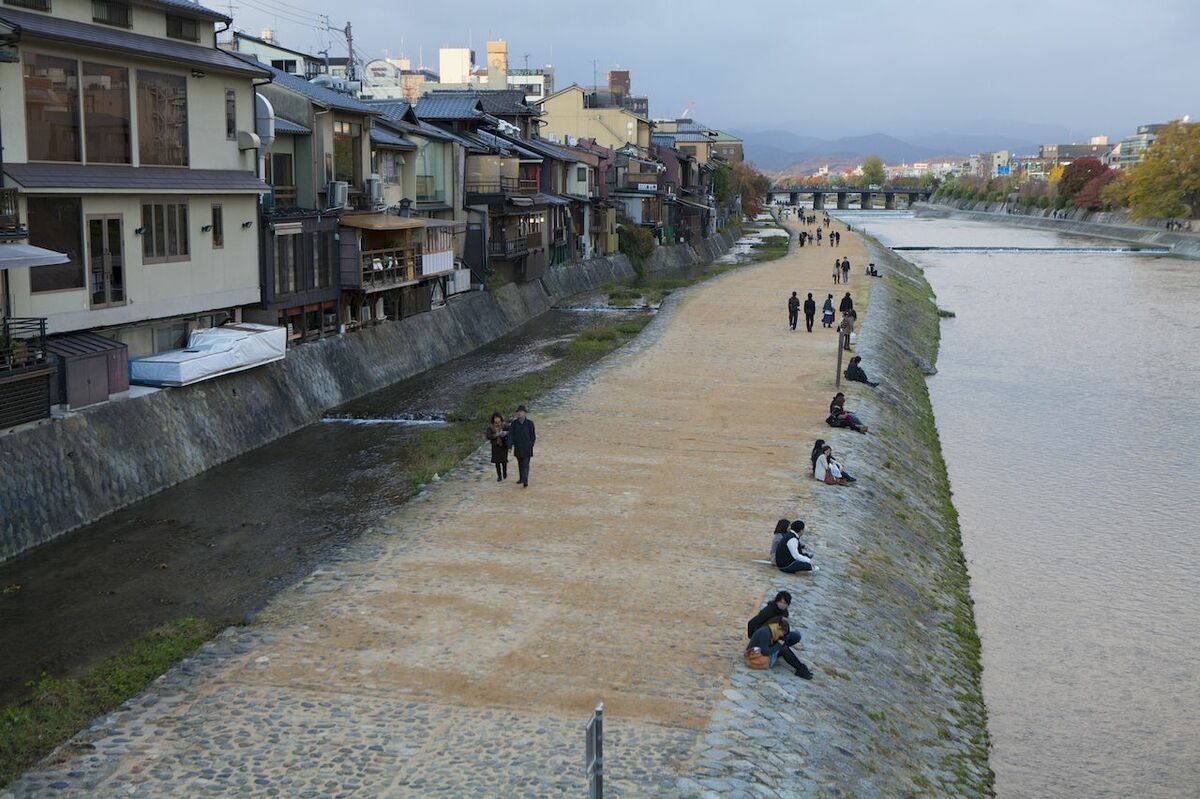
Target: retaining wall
61	474
1079	222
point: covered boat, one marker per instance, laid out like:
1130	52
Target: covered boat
212	352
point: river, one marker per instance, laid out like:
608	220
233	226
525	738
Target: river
1066	401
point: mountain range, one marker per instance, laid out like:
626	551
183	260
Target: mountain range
786	152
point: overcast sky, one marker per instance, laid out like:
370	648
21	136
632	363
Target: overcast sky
822	69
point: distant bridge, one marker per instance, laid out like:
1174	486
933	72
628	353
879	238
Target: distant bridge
866	195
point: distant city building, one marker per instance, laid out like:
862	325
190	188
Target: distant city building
455	64
1098	140
1063	154
695	139
1133	148
267	49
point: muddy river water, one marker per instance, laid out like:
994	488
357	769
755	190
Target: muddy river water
1066	400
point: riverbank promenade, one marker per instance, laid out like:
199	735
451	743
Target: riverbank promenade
458	647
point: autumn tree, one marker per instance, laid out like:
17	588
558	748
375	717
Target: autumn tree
873	173
1076	175
1091	196
1167	182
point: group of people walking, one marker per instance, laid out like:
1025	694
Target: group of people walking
519	436
841	271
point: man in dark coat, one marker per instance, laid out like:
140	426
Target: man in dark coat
810	312
793	310
847	304
523	436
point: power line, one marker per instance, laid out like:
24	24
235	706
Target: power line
286	16
288	8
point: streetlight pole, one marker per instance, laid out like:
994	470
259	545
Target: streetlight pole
837	377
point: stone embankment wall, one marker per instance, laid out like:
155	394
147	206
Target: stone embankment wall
897	706
61	474
1079	222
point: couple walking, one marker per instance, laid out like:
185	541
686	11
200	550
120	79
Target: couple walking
810	311
518	435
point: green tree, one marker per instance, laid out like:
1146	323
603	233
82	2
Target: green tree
873	172
1167	182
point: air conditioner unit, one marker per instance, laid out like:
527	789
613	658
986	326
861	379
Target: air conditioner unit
337	194
374	189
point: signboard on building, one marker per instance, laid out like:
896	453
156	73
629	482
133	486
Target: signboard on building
1002	170
647	187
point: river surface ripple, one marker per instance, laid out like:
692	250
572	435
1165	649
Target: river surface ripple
1068	403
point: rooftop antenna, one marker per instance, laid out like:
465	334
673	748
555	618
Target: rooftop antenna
526	61
595	80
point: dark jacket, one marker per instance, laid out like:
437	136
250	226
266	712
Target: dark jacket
768	613
499	443
828	304
523	435
810	307
855	372
847	304
793	304
761	638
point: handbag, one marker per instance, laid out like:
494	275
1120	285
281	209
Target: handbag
830	480
757	660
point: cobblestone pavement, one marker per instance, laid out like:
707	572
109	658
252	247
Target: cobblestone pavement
458	647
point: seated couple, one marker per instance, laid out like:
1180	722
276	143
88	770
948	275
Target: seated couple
840	417
826	468
787	553
771	637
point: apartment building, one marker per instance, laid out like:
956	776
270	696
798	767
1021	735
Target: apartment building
129	140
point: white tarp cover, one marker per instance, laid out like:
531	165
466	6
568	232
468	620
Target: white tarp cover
15	256
212	352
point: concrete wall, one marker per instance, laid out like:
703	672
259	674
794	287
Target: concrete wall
1083	223
59	475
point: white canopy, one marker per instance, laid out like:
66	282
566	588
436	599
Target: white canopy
15	256
211	352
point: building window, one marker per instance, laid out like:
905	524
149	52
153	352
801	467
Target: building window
38	5
287	65
347	151
56	223
389	166
183	28
431	173
106	114
51	108
110	12
162	119
164	232
231	114
581	174
218	228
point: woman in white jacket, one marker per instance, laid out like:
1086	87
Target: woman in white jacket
828	470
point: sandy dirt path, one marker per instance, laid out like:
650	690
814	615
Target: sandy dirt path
459	648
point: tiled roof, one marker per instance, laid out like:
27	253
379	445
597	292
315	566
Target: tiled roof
103	37
152	178
549	150
291	128
457	107
389	109
387	138
503	102
318	94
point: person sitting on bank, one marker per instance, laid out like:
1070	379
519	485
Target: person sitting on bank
777	608
855	373
790	556
497	434
829	471
840	417
772	640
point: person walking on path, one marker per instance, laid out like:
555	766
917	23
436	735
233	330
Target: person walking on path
827	312
846	328
810	311
846	271
847	304
837	271
523	435
818	237
793	310
497	434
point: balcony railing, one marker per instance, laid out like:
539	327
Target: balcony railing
529	185
390	267
285	196
22	342
634	180
498	186
514	247
10	215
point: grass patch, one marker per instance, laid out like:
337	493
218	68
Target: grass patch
58	708
624	298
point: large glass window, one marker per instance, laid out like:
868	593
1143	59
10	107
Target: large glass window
106	114
51	108
431	173
347	151
162	118
56	223
165	232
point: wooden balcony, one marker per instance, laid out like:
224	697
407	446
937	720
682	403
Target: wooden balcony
507	249
481	192
389	268
529	185
25	373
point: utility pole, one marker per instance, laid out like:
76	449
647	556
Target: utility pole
350	71
842	340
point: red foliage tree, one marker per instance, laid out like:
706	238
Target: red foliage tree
1089	196
1077	174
